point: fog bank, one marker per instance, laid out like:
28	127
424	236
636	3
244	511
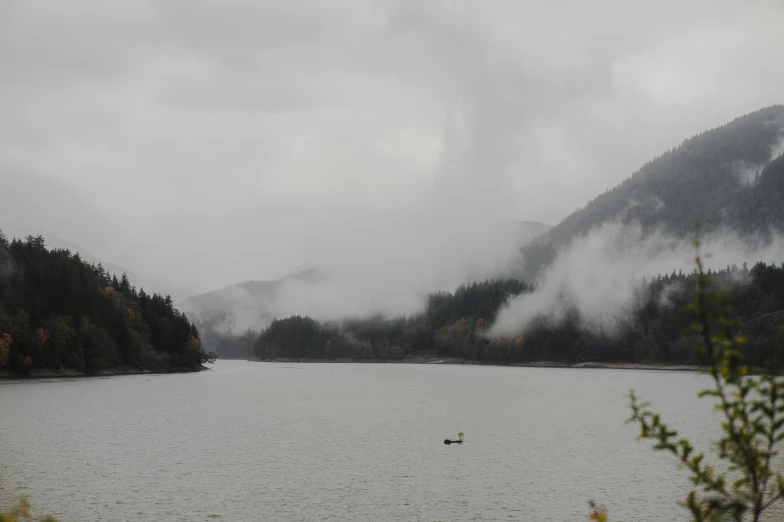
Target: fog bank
600	274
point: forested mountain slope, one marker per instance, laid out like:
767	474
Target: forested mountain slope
731	176
453	325
57	311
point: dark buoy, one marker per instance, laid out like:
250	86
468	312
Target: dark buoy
458	441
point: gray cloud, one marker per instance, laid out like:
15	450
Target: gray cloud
239	140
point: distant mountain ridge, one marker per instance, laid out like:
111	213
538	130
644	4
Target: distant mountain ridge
241	305
731	176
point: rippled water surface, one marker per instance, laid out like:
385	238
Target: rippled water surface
273	441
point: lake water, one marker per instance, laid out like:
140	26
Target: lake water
274	441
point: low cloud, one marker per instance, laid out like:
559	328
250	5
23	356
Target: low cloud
601	274
382	277
222	136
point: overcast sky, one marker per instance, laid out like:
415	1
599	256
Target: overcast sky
232	140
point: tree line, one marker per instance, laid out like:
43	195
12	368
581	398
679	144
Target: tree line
455	324
57	311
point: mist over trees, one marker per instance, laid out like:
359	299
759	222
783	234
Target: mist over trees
377	337
57	311
728	178
454	325
227	344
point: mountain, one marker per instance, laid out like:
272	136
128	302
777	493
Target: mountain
241	305
731	176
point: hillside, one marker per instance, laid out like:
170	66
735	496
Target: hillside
59	312
731	176
453	325
241	305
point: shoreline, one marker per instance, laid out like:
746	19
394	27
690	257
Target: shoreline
537	364
70	373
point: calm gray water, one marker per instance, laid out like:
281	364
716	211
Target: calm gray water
274	441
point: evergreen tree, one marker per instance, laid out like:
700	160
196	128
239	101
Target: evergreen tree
58	311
